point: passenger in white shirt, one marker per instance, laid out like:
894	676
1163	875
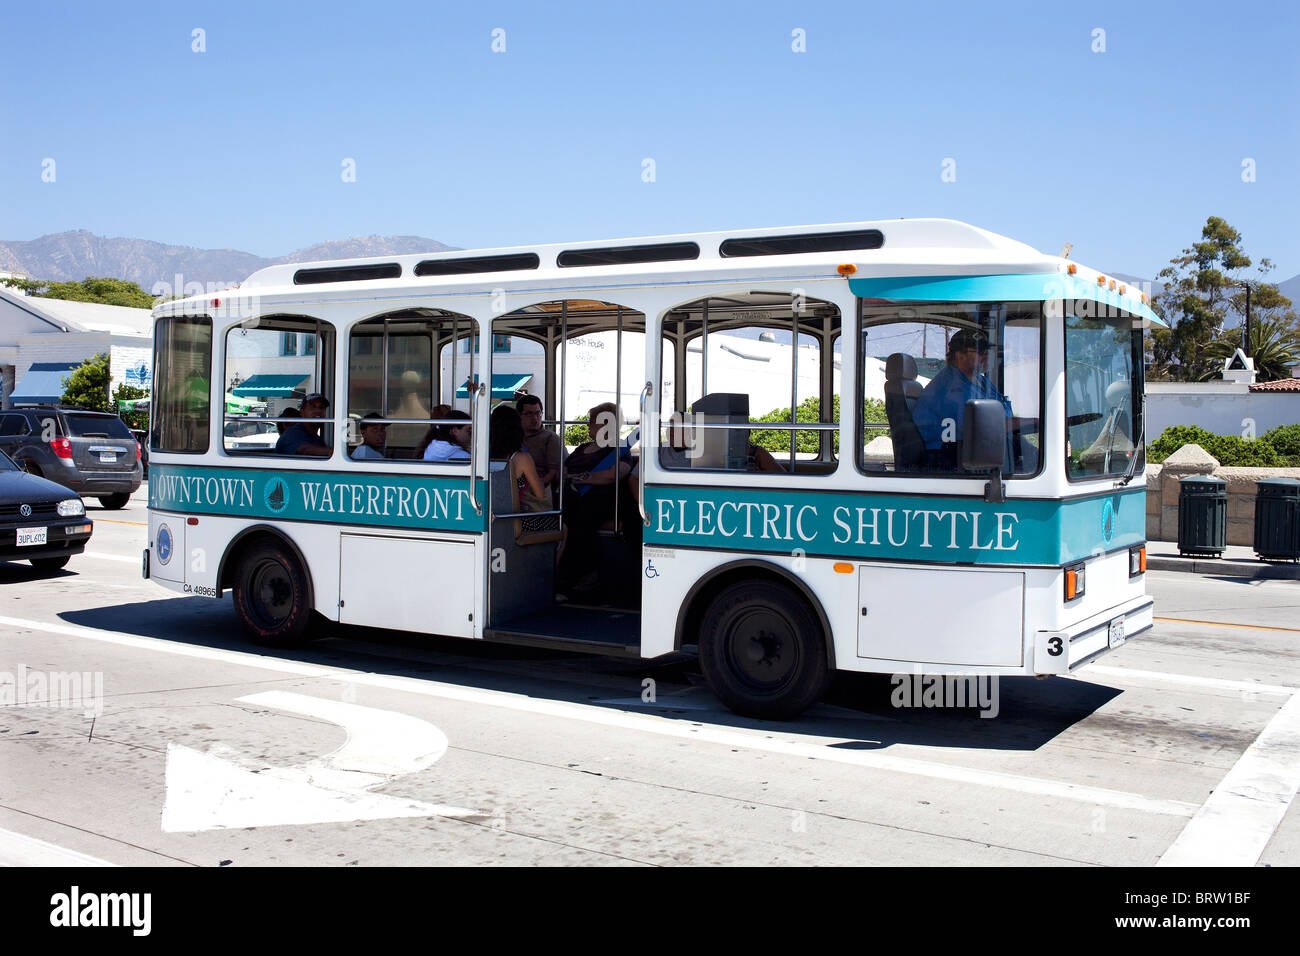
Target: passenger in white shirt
450	442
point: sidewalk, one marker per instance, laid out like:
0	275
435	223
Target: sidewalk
1236	561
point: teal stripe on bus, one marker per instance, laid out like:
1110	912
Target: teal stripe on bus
374	501
1025	287
940	529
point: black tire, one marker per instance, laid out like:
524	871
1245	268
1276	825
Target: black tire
113	502
272	596
763	651
50	564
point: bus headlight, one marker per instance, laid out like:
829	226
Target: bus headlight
1074	581
71	507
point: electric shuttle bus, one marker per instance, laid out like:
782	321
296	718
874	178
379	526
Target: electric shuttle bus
906	446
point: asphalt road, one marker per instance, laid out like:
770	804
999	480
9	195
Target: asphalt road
373	748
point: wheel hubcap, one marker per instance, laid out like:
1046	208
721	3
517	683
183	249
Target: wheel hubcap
762	650
272	593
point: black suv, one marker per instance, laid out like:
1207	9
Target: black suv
91	453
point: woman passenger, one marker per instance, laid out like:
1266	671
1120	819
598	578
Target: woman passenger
506	444
450	442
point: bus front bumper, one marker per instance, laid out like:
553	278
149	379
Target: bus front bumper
1059	652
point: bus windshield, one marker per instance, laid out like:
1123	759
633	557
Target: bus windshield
1103	396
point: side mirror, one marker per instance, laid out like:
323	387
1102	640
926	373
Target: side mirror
983	435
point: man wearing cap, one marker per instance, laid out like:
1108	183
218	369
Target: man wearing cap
304	438
942	406
373	436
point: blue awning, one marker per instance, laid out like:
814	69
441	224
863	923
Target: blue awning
503	386
43	383
271	386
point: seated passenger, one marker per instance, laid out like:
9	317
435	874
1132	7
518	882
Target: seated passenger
760	459
594	469
506	446
373	438
450	442
289	412
305	438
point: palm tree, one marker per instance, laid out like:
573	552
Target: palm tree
1274	345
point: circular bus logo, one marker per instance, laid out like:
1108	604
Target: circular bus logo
277	494
1108	521
164	546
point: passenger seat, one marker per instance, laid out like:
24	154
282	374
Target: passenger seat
901	393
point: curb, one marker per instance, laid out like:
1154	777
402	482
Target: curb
1220	566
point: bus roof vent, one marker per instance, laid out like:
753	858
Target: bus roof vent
469	265
626	255
383	270
805	242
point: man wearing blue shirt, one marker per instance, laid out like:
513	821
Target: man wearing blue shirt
942	406
305	438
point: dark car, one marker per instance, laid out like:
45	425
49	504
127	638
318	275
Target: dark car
91	453
40	521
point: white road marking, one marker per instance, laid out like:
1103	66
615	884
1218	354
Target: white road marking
761	740
123	558
1190	680
19	850
1237	821
209	792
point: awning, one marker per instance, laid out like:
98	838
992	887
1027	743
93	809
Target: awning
271	386
240	406
43	383
503	386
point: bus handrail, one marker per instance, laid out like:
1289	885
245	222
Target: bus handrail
473	389
640	472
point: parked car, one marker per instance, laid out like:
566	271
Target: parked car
91	453
142	439
40	521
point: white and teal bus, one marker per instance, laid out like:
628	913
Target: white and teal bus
905	446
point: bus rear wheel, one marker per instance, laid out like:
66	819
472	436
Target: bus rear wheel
271	596
762	650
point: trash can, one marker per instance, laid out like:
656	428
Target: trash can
1202	515
1277	519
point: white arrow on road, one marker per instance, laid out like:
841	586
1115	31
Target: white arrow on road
205	791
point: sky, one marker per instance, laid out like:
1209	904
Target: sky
1118	127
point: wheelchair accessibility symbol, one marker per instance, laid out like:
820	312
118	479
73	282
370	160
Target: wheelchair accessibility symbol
650	570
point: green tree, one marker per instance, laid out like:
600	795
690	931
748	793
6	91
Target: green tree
1198	293
90	289
1274	345
87	385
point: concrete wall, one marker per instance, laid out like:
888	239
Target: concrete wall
1162	498
1220	407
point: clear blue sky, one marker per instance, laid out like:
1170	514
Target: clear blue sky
1124	153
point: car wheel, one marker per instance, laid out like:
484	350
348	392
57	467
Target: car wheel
113	502
50	564
762	650
270	592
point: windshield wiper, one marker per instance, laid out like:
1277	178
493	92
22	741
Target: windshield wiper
1140	446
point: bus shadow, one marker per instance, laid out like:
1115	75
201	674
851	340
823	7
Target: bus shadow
860	711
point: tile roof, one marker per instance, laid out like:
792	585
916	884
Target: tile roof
1281	385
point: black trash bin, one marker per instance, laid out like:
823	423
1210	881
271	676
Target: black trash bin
1202	515
1277	519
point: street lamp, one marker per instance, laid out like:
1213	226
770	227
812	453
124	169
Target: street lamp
1245	344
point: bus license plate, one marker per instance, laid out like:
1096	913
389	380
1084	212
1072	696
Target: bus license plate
1117	632
107	458
31	536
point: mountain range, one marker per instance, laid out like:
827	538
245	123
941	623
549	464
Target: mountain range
69	256
72	256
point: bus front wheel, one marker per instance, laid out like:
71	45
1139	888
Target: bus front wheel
271	596
762	650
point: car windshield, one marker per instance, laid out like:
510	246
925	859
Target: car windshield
96	426
6	463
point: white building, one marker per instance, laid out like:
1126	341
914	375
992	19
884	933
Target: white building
42	340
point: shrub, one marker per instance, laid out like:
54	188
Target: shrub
1230	450
1285	439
